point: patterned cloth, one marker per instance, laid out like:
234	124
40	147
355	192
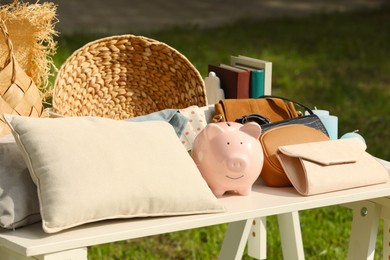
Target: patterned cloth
187	122
196	123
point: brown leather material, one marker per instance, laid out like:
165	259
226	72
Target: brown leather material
273	108
272	173
292	110
219	114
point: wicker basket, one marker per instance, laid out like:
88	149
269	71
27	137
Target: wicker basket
125	76
18	92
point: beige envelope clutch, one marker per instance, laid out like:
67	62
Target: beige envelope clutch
326	166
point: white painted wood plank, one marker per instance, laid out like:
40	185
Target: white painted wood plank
386	239
364	230
7	254
74	254
263	201
235	240
291	236
257	240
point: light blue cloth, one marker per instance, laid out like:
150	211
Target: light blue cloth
172	116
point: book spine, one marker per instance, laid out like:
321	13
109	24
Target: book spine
243	84
268	79
253	64
234	84
257	83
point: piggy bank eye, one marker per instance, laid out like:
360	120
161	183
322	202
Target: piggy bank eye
228	143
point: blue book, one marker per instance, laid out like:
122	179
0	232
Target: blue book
257	83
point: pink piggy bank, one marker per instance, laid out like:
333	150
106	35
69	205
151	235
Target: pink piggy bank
229	156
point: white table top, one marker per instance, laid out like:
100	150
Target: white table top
263	201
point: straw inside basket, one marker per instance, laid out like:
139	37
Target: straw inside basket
125	76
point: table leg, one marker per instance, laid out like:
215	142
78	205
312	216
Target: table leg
235	240
257	240
385	214
364	230
291	236
386	239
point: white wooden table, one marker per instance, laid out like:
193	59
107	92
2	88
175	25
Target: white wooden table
244	215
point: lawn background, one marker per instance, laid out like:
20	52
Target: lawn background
338	62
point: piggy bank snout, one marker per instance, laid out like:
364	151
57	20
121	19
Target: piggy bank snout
237	163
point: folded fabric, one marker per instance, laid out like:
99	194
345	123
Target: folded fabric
196	122
320	167
19	205
172	116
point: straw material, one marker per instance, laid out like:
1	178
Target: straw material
18	93
125	76
31	28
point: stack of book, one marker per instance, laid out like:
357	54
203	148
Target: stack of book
245	77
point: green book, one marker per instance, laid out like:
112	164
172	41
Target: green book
257	79
257	83
256	64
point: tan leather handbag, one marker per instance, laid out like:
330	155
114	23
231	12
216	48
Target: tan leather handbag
18	93
272	107
332	165
273	173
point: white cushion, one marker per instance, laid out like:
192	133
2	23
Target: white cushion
89	169
19	204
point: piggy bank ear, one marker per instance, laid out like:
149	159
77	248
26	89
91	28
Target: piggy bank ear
212	130
252	129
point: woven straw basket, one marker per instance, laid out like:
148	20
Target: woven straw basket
18	93
125	76
31	28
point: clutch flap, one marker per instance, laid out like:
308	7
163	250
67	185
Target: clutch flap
328	152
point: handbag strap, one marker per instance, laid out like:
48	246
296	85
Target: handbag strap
259	119
11	56
290	100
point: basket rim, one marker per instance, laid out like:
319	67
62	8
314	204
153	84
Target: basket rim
104	39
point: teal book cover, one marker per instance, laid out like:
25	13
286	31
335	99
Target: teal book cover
257	83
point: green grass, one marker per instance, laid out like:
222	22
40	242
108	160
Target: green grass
338	62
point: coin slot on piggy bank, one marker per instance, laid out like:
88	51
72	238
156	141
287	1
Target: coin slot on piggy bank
229	156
